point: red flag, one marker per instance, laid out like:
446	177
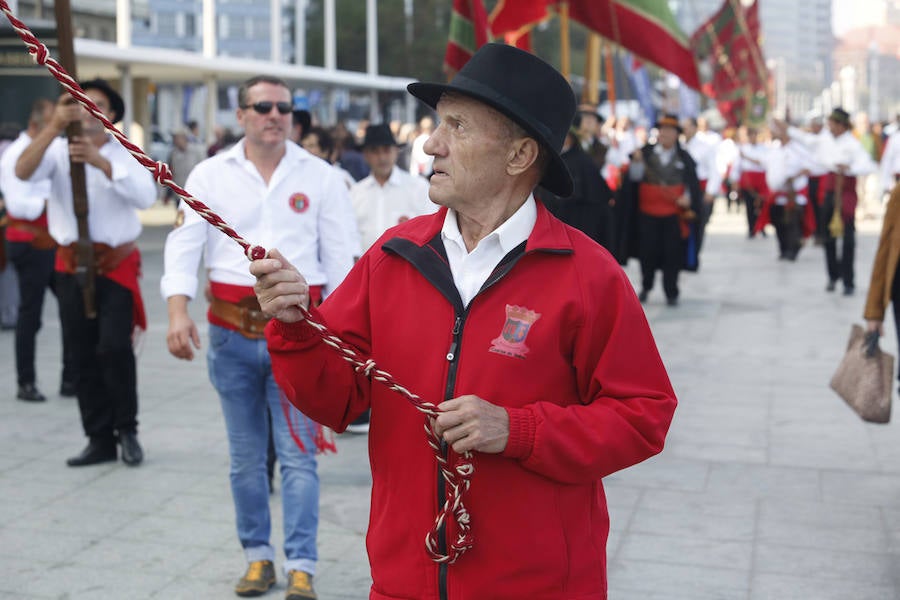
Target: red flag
735	72
468	32
514	16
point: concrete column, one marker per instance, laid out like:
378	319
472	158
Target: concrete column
126	89
210	45
123	23
330	36
275	30
300	32
371	38
212	103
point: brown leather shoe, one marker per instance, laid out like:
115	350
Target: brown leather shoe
300	586
260	576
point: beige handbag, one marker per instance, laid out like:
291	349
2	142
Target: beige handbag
864	377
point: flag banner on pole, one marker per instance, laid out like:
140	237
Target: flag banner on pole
732	66
468	33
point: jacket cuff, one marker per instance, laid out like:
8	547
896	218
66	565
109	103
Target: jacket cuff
299	332
522	426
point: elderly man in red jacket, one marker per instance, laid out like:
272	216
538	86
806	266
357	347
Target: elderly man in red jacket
526	334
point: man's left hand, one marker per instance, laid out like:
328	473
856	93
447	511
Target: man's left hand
469	423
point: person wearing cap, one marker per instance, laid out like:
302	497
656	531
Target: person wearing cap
522	330
845	158
662	212
32	252
270	190
117	187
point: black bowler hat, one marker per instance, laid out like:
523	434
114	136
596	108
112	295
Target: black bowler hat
116	104
303	118
840	116
525	89
378	135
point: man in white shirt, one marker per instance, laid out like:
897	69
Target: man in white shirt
890	163
272	191
845	158
419	160
702	149
32	252
387	196
117	187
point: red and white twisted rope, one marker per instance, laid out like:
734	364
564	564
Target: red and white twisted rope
457	477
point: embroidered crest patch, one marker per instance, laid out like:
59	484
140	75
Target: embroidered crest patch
299	202
511	341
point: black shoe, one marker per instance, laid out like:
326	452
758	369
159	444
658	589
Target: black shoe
848	290
831	285
29	393
132	454
672	301
643	296
95	452
68	389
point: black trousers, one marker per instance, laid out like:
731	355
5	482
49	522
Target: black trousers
35	270
660	247
787	229
839	268
752	203
107	383
818	211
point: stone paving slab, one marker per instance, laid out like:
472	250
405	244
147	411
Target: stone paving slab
769	487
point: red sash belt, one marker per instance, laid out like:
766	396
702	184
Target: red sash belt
848	197
121	264
235	307
661	201
33	232
754	181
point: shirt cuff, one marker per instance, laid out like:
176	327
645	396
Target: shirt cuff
522	427
300	332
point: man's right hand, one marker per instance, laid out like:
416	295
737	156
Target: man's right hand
282	291
67	110
182	337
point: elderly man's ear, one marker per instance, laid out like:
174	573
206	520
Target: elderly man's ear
523	153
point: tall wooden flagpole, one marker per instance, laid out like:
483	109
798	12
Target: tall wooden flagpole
85	269
564	60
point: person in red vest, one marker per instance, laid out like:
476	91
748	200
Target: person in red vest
32	252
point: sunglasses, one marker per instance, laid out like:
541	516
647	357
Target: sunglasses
265	107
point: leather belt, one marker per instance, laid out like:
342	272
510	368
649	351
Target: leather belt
106	257
245	316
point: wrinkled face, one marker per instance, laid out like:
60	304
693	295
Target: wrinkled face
271	128
471	148
381	160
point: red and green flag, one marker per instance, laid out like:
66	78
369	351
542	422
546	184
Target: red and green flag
647	28
468	32
734	73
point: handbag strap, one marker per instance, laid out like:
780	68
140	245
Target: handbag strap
870	344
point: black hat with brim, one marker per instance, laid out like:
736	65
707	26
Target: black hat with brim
116	104
523	88
378	135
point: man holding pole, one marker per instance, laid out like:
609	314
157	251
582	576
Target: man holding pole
116	187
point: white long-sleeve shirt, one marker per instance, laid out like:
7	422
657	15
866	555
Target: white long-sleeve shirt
112	202
703	151
380	207
830	151
23	200
304	211
785	165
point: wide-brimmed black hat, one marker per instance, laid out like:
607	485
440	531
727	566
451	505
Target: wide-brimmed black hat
840	116
669	120
525	89
378	135
116	104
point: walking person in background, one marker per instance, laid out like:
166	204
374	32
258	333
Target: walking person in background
526	334
268	188
117	187
32	252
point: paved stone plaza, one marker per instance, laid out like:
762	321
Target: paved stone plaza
769	487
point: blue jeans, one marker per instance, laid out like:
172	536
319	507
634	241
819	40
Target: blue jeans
241	372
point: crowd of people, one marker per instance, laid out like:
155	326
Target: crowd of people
437	248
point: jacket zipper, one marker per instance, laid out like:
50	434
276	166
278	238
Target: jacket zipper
453	358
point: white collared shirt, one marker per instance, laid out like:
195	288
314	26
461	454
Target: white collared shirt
890	162
23	200
788	162
304	211
112	202
471	269
380	207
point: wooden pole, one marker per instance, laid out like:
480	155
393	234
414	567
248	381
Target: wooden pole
85	270
610	77
564	60
591	91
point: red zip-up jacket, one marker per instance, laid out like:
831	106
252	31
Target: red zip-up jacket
557	337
